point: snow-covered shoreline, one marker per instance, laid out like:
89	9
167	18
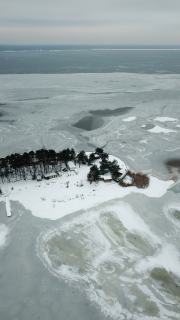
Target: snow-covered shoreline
52	199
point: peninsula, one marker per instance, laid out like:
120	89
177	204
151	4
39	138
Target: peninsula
53	184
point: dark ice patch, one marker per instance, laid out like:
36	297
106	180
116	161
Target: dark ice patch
2	113
89	123
32	99
7	121
168	281
173	163
110	112
104	93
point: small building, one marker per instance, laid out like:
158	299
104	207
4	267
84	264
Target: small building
101	178
105	178
71	166
96	156
51	175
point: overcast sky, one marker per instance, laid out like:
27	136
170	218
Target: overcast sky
90	21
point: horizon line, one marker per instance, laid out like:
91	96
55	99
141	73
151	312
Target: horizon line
91	44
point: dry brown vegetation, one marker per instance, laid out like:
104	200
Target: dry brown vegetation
140	180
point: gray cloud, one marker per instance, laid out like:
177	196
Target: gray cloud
104	21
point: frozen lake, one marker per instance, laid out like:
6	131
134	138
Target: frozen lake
41	110
118	260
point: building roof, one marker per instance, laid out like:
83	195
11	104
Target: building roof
50	175
71	165
106	177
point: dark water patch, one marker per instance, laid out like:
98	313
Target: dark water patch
175	213
32	99
89	123
111	112
140	244
2	104
1	113
173	165
7	121
104	93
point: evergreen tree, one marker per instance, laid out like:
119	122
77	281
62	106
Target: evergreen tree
93	174
99	151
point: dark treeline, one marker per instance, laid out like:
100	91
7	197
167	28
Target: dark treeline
31	164
35	164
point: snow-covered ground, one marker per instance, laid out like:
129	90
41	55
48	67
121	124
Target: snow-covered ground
55	198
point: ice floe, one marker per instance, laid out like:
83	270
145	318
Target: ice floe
165	119
158	129
129	119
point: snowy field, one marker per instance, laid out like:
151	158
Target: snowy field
71	191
